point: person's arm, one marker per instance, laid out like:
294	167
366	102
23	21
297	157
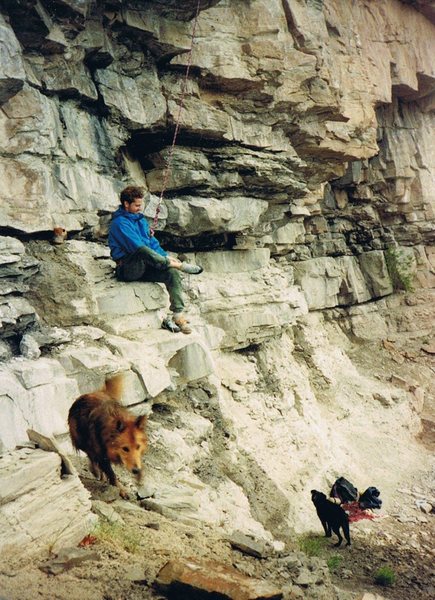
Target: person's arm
154	245
151	241
174	262
127	236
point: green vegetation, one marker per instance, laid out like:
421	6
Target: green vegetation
320	547
385	576
401	268
334	562
119	536
312	545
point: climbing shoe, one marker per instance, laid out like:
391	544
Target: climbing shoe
170	325
182	325
191	269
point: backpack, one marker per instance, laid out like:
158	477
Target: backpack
344	490
370	498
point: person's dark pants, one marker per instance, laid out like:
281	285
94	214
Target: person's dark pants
147	265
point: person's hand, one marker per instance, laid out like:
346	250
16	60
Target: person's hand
174	263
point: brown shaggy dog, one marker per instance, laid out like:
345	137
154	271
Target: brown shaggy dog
108	433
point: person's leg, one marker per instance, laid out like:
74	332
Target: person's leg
135	265
172	280
147	265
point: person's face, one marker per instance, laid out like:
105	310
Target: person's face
134	207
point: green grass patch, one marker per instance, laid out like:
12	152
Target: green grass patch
320	547
385	576
119	536
334	562
312	545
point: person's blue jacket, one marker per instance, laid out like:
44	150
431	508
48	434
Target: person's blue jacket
128	232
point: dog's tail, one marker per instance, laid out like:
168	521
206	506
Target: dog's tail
114	386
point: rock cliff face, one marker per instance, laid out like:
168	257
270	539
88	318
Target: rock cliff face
302	179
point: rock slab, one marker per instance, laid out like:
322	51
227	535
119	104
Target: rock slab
39	508
209	579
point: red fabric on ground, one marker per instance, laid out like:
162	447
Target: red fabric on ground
356	513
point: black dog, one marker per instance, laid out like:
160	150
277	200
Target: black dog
332	516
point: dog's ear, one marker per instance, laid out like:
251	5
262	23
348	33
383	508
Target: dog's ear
140	422
120	426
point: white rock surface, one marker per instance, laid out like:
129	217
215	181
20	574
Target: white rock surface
38	506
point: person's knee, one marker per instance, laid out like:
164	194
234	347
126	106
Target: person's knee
143	250
150	257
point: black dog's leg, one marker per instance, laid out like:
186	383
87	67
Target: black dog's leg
346	532
327	528
338	534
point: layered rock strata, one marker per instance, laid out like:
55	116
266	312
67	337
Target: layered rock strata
38	504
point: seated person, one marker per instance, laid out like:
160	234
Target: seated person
139	256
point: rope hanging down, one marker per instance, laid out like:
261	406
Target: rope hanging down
177	122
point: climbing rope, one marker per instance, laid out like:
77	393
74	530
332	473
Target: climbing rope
168	167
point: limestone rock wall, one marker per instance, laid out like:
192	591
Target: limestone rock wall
302	179
29	477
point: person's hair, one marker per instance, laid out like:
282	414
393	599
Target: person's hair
131	193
